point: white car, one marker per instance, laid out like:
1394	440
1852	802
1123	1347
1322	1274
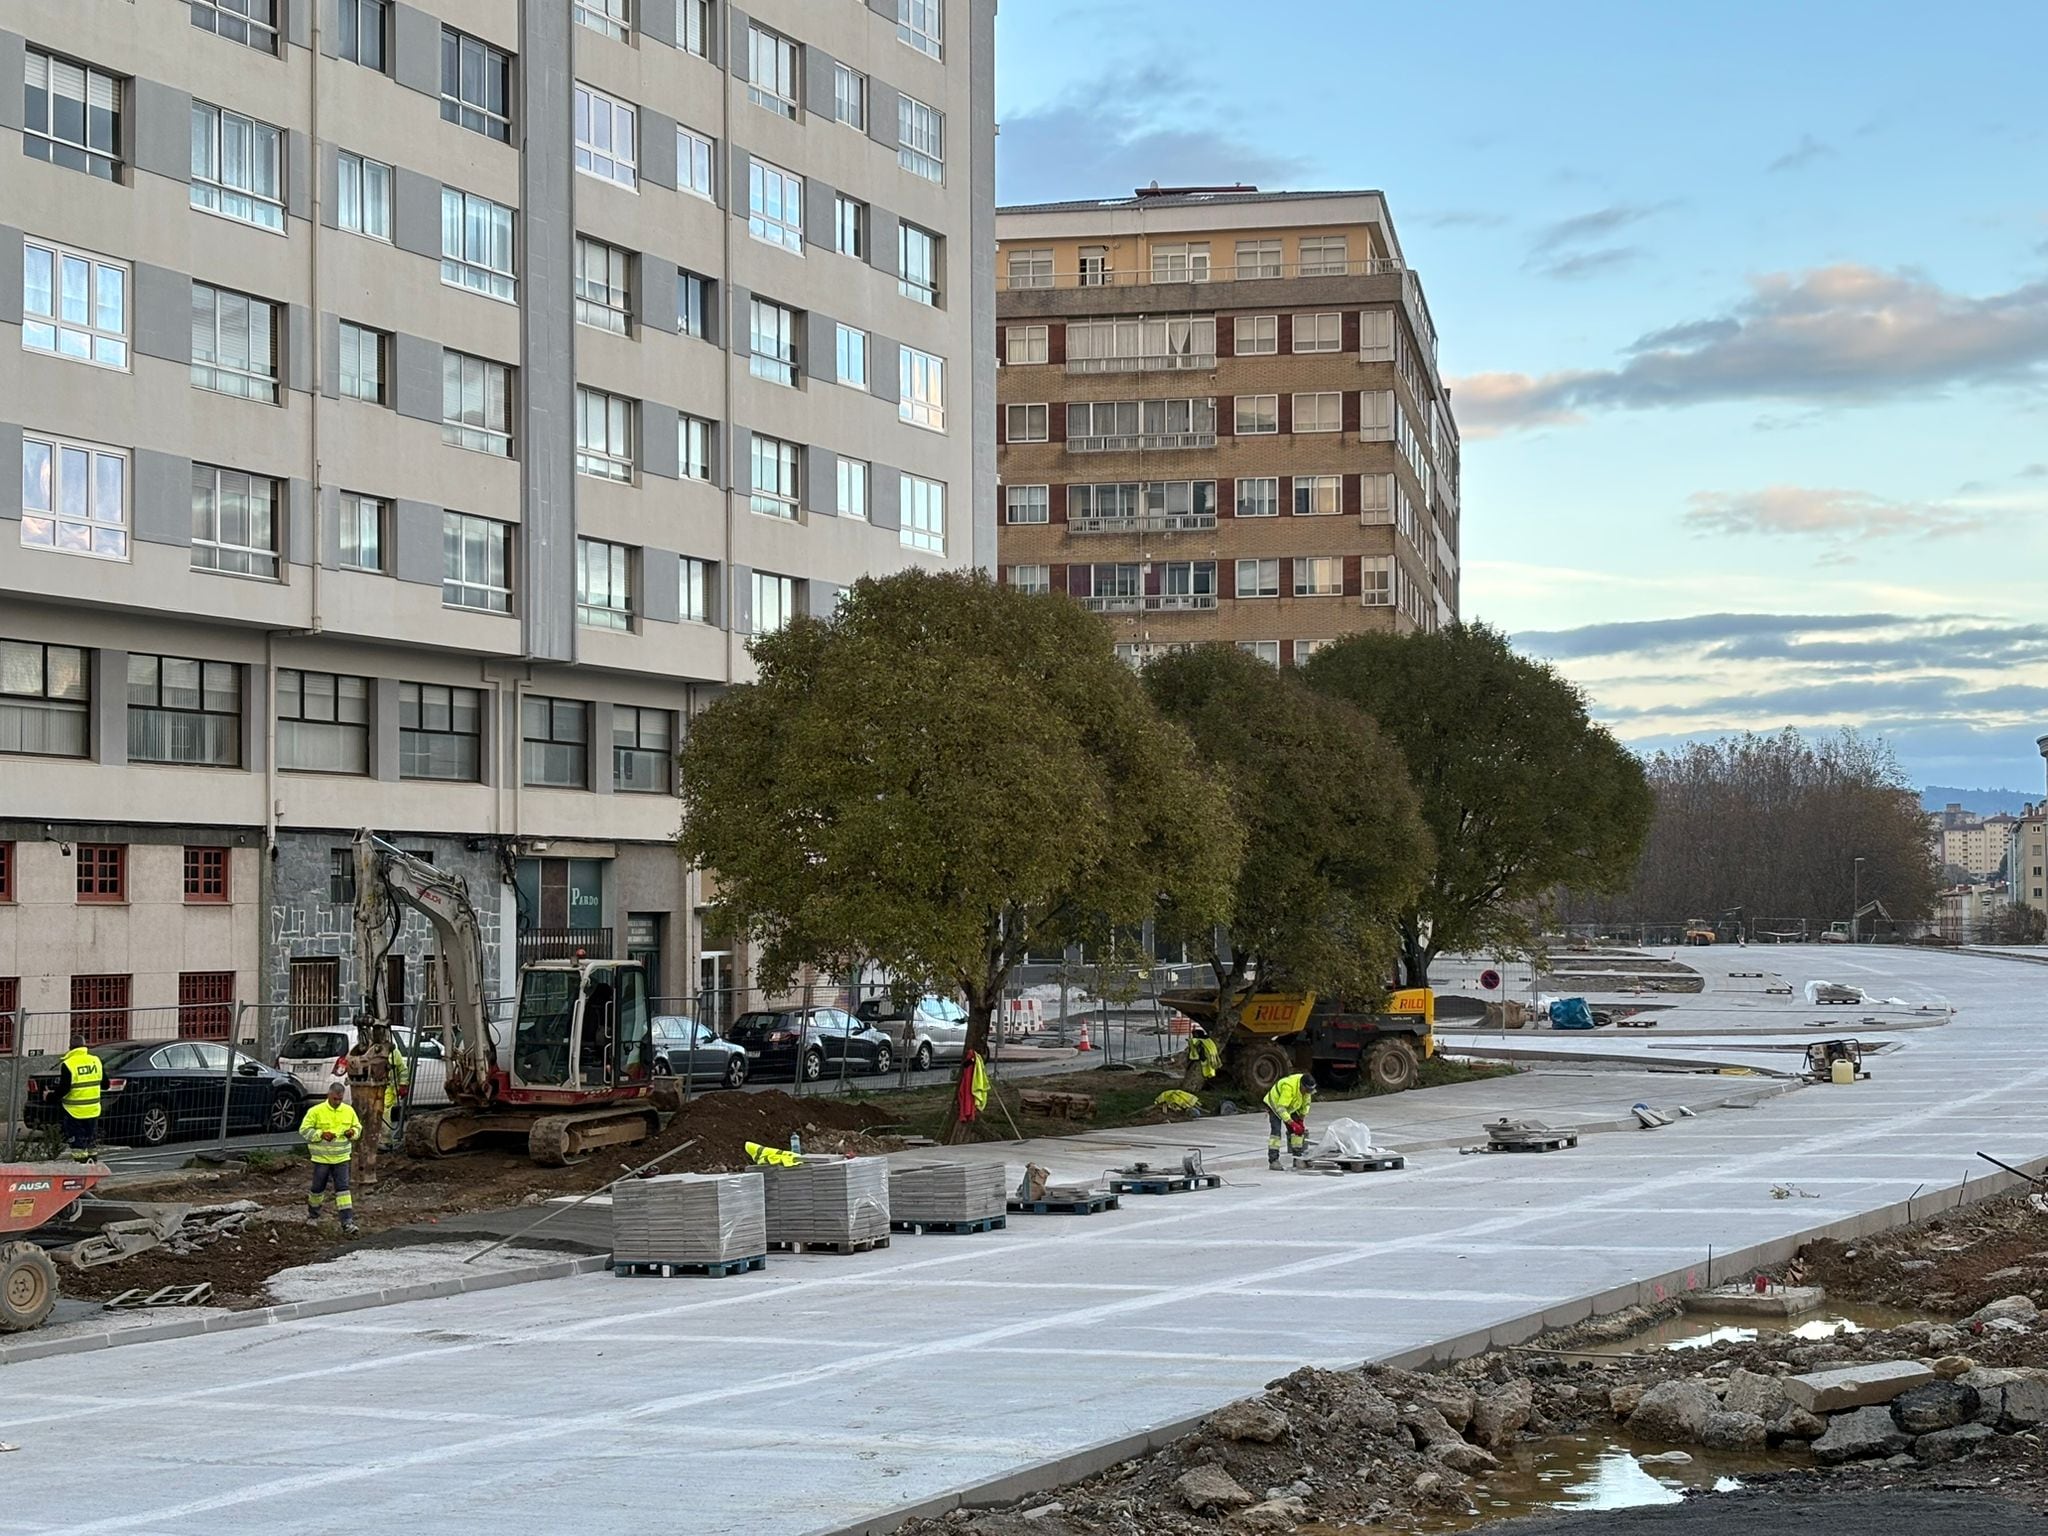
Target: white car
309	1056
937	1030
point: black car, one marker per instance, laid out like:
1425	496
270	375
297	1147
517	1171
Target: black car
685	1048
810	1041
159	1090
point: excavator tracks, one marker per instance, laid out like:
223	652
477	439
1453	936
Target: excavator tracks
555	1141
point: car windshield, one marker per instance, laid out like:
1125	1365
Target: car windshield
671	1029
318	1043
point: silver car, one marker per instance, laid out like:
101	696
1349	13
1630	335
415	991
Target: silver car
936	1029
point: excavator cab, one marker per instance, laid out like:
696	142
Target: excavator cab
582	1026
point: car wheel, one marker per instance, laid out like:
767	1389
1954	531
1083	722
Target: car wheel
922	1061
284	1113
736	1072
813	1066
884	1059
662	1068
155	1129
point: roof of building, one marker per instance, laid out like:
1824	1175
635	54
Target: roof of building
1156	196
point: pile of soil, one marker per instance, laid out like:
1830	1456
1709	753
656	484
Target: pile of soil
237	1267
1951	1263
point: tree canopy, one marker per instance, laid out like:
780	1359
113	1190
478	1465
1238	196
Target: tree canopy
1520	790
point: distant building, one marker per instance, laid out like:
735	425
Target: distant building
1967	912
2026	858
1973	844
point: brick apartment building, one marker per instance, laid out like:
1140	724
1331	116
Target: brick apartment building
1221	419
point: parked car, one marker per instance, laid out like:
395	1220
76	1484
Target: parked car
158	1090
685	1048
936	1029
810	1041
309	1056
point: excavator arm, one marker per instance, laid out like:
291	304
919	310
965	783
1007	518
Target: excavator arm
390	882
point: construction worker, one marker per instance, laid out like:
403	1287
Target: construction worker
1203	1057
79	1077
396	1084
331	1130
1287	1104
772	1157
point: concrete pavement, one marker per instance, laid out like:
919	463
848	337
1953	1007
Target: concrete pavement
826	1393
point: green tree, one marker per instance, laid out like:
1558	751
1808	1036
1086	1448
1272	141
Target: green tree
941	776
1334	842
1521	791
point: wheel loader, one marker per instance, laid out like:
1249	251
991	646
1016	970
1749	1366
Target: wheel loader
1282	1032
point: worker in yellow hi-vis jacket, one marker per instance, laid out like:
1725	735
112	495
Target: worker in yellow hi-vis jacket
1287	1104
331	1131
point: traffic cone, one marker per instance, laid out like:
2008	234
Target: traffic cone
1083	1044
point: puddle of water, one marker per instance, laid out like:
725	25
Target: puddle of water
1698	1330
1594	1472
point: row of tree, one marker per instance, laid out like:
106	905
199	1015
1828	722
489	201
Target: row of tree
947	774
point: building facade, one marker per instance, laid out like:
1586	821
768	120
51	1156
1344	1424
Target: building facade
419	404
1222	419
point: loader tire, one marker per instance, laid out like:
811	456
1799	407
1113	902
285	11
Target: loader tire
28	1287
1263	1065
1391	1066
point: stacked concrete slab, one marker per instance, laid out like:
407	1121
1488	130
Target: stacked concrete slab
690	1218
946	1192
829	1200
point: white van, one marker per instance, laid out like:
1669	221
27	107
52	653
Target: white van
309	1056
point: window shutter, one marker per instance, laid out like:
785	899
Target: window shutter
1353	573
1002	343
204	332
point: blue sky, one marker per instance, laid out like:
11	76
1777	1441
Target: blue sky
1745	308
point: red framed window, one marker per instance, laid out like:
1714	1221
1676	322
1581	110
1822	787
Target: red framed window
10	1001
99	1009
102	872
206	874
6	871
206	1005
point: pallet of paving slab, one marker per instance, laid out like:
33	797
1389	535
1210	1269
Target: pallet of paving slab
1379	1162
1069	1205
854	1245
983	1224
666	1269
1530	1141
1163	1183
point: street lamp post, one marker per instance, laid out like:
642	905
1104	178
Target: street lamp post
1856	902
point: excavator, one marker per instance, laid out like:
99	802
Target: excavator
576	1073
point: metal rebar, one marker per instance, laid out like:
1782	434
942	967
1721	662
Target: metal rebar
591	1195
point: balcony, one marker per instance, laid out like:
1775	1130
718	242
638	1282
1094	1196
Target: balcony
1145	522
1181	276
1141	442
1169	362
1157	602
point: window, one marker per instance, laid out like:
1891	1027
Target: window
601	293
44	692
1031	578
323	722
1258	496
440	733
1025	423
1322	576
1376	416
920	23
363	196
604	585
604	435
476	404
71	115
234	344
341	877
102	872
771	71
698	583
776	475
642	750
849	226
74	497
851	356
609	17
362	531
1190	584
1322	332
693	304
1030	269
475	563
1258	578
1027	344
184	711
849	97
74	305
99	1009
1304	649
693	27
1376	335
1267	651
234	522
924	515
774	602
206	874
853	488
923	400
772	331
918	252
775	206
1376	583
476	244
1318	495
1256	335
1134	343
1323	256
362	362
1257	414
1026	503
693	447
237	166
921	138
1322	412
250	22
359	31
1182	262
206	1009
1376	498
476	85
7	999
604	137
695	157
1095	271
1258	258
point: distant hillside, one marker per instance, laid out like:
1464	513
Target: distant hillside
1984	802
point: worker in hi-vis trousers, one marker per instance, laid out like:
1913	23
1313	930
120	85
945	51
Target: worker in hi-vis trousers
1203	1057
331	1131
1287	1104
79	1076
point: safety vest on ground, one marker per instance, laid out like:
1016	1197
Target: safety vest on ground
338	1118
82	1098
1290	1097
1202	1053
772	1157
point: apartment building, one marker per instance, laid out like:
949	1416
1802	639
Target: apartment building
419	405
1222	419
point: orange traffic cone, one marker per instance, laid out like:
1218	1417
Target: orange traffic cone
1083	1043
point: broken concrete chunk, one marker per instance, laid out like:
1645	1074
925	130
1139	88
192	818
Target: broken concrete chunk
1797	1424
1856	1386
1949	1367
2018	1309
1452	1401
1498	1417
1622	1401
1460	1457
1674	1411
1428	1426
1727	1431
2010	1399
1282	1514
1951	1444
1249	1421
1207	1488
1749	1392
1937	1406
1862	1434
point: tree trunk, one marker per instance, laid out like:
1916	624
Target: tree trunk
1414	956
981	1007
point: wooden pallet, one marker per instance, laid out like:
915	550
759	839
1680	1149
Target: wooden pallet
858	1245
665	1271
1086	1205
980	1224
1376	1164
1163	1183
1532	1141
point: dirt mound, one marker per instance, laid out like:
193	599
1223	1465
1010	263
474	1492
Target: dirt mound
723	1123
236	1268
1952	1263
